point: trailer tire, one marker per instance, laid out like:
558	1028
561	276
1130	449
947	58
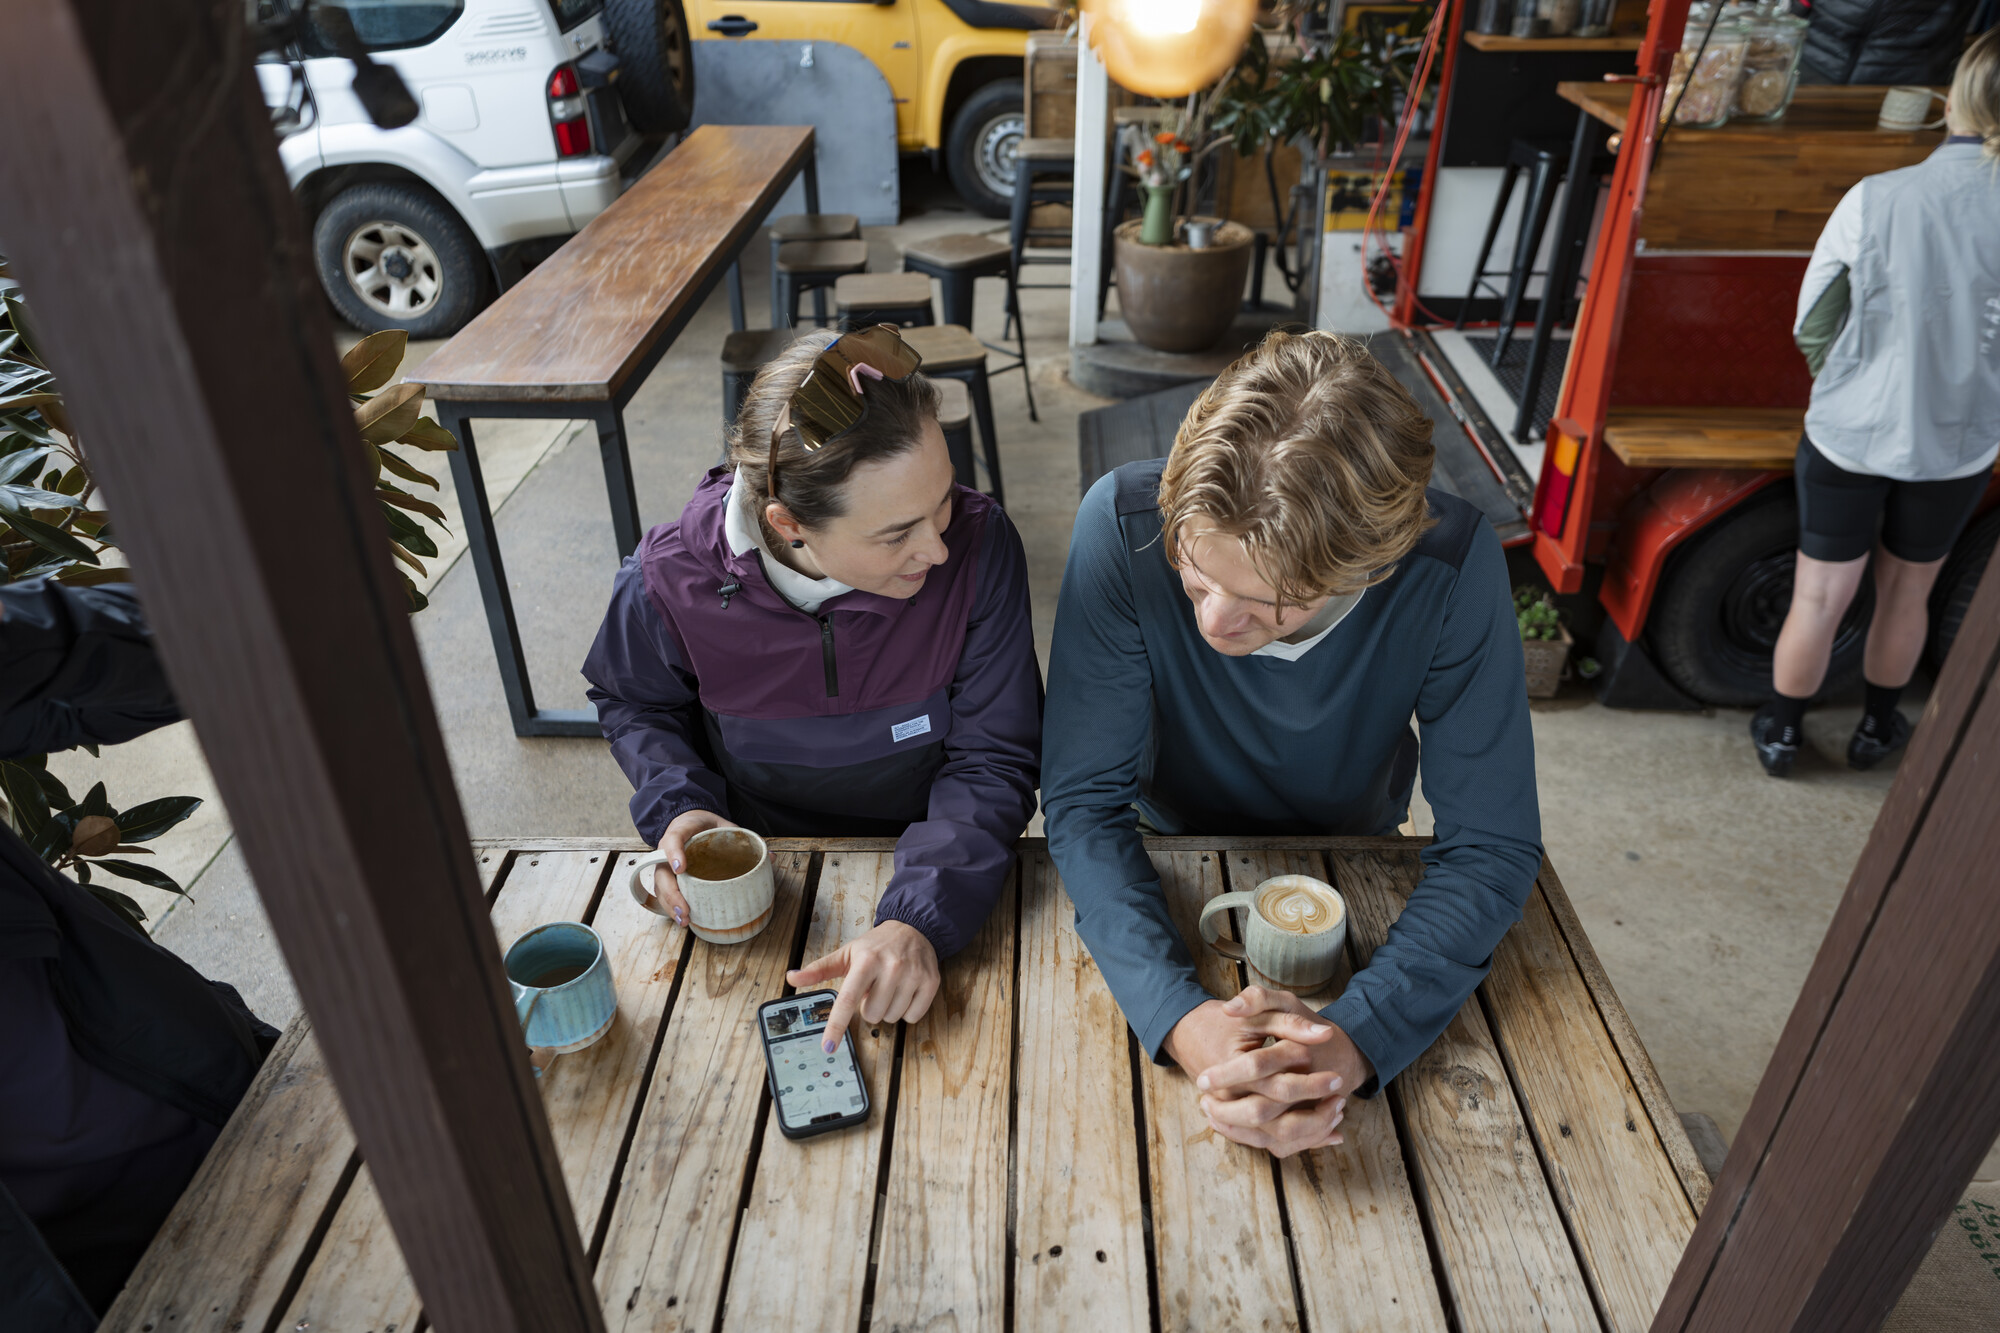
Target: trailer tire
655	62
1957	581
979	150
1723	600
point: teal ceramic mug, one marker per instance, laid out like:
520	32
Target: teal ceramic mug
563	992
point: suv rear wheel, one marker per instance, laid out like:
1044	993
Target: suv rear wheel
394	256
1723	601
979	151
655	62
1957	581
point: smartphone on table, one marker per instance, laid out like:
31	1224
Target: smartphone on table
815	1091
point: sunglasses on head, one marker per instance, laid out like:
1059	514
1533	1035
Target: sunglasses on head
829	402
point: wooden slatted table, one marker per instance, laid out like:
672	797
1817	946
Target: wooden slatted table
1024	1163
578	336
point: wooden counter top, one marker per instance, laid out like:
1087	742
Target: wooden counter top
1760	185
1500	41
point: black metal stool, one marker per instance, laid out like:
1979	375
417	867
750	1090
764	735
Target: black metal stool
744	353
958	261
1044	172
863	299
951	352
955	417
810	227
804	266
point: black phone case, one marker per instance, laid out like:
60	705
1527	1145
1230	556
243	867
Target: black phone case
771	1075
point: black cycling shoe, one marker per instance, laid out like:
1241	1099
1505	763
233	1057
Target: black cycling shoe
1775	755
1865	750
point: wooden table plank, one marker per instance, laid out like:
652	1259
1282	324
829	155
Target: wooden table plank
1612	1177
222	1259
1363	1263
358	1279
1080	1253
667	1252
943	1251
1498	1232
1218	1237
575	328
806	1270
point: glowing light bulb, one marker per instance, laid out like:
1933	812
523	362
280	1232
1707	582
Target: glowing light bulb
1163	18
1168	48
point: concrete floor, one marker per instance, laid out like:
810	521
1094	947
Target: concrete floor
1705	885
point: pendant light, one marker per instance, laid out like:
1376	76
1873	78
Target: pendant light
1168	48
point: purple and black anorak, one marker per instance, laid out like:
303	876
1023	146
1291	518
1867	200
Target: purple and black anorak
918	718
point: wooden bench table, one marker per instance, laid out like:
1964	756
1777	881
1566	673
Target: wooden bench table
580	334
1024	1166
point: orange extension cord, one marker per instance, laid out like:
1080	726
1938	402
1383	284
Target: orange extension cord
1412	105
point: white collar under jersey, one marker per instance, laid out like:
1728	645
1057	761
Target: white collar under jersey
744	533
1317	628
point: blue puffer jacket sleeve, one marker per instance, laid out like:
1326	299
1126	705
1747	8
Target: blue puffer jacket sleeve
950	867
648	709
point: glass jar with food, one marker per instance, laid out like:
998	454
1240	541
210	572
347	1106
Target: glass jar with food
1770	68
1558	17
1702	84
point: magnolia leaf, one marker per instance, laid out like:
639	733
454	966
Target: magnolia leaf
73	481
391	463
417	600
20	423
52	787
51	539
130	850
144	874
89	576
24	325
94	835
371	363
149	819
396	549
128	911
57	415
404	529
14	498
53	840
93	803
81	869
21	462
389	413
404	500
427	434
41	402
26	797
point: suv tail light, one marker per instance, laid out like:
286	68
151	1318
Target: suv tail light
566	113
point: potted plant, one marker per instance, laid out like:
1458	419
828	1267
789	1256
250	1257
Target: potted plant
1544	642
1177	293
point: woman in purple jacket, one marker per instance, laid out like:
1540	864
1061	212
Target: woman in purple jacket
842	648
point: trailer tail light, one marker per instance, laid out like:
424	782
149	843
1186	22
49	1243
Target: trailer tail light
566	113
1563	453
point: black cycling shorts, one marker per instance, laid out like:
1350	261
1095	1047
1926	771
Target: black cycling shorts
1841	512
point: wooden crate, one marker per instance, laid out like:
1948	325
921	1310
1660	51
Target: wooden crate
1050	80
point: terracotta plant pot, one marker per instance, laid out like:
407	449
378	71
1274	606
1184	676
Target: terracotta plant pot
1179	300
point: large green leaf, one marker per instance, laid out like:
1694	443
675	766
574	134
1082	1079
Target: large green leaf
127	909
427	434
21	423
94	803
371	363
25	795
24	324
396	465
17	499
149	819
51	539
417	599
134	871
18	463
89	576
404	500
54	839
52	787
408	532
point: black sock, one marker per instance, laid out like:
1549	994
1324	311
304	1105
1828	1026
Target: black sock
1787	716
1875	719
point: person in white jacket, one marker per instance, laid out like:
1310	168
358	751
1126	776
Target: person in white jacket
1899	320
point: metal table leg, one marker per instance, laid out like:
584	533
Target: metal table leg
736	320
609	419
477	515
1565	265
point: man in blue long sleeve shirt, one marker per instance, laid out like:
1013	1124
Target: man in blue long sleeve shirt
1247	662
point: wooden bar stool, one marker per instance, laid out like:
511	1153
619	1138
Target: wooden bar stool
955	416
810	227
1044	170
863	299
804	266
744	353
958	261
951	352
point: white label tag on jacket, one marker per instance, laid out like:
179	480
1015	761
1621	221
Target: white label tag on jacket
916	726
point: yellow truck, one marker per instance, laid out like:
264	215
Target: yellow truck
953	66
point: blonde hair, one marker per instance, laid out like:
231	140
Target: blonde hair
1308	451
1975	92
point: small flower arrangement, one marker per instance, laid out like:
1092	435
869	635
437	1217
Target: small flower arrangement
1164	164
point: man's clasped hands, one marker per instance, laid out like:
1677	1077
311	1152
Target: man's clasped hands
1270	1071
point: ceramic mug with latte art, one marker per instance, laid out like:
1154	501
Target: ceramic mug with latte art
1294	929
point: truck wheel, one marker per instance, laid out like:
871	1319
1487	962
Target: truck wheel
979	151
394	256
1723	600
1957	581
655	63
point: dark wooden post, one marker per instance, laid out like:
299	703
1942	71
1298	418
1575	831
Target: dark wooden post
142	202
1884	1092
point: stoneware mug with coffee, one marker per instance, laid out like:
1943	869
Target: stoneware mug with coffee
563	991
1294	928
1905	106
727	883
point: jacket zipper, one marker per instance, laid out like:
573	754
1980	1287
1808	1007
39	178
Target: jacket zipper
826	655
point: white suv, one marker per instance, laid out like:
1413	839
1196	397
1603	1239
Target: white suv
528	126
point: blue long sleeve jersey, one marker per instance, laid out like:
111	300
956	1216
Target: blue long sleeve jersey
1145	718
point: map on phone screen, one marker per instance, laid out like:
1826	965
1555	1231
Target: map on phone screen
810	1083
